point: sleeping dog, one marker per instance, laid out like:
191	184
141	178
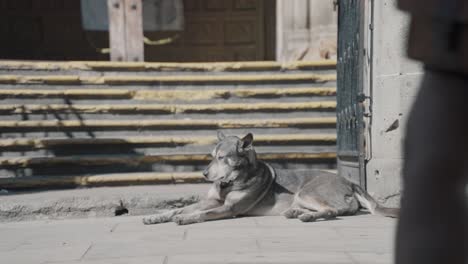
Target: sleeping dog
245	186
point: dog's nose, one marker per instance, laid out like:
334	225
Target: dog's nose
205	173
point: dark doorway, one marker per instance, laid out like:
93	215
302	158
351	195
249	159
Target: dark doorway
215	30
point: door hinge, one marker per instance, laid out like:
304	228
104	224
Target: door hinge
362	98
335	5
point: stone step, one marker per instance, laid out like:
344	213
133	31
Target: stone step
139	160
165	67
98	180
84	125
26	144
273	107
165	95
113	179
166	79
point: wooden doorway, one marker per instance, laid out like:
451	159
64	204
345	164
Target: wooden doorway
215	30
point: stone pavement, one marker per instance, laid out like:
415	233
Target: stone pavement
125	240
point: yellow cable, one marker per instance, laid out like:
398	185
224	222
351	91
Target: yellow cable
146	40
158	42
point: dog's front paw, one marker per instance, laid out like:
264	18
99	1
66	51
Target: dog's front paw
293	213
307	217
155	219
186	219
150	220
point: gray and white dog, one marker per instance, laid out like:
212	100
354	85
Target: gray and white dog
245	186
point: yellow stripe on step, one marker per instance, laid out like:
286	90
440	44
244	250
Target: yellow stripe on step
171	79
139	160
169	108
185	95
177	124
166	66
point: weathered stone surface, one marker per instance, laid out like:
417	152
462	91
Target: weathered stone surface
97	202
362	239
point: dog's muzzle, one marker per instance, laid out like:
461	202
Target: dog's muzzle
206	172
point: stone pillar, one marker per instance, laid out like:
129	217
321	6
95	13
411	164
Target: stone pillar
306	30
323	30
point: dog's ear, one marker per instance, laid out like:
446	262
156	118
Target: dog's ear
221	136
247	140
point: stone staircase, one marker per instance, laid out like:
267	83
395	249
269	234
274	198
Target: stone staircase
104	123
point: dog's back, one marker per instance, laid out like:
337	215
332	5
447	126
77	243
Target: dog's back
288	183
317	189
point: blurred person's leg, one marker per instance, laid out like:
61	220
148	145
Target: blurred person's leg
432	223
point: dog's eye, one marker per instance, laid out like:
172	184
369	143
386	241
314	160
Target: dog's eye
220	157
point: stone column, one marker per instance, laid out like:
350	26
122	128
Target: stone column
306	30
323	30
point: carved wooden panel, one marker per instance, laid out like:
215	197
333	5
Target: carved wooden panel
191	5
216	30
245	4
215	5
202	32
237	32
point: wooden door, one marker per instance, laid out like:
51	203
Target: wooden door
215	30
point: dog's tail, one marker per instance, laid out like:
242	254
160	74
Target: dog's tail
372	205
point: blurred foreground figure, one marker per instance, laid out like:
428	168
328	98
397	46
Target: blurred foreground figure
433	218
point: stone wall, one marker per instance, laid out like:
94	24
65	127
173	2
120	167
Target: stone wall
393	83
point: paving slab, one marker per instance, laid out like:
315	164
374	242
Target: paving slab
264	258
43	255
361	239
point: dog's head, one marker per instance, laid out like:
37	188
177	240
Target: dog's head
232	157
